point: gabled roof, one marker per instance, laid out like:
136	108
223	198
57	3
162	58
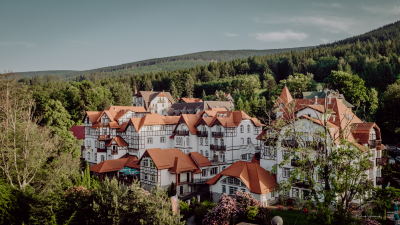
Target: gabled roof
257	179
153	119
116	164
201	160
360	132
191	121
78	131
93	115
190	100
148	96
172	159
218	104
112	112
285	96
119	140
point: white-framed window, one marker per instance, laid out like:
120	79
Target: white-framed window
206	141
88	155
285	192
201	152
244	156
248	128
242	189
242	141
95	157
296	193
248	140
149	128
187	140
96	144
162	127
145	176
214	171
207	153
162	139
149	140
204	172
219	129
222	142
152	164
145	162
286	172
232	190
222	156
215	141
152	178
224	167
224	189
241	129
102	158
201	141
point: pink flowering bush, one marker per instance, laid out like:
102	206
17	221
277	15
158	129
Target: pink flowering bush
279	207
370	222
229	210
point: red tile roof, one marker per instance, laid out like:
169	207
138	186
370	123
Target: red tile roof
78	131
109	165
257	179
201	160
190	100
153	119
172	159
119	140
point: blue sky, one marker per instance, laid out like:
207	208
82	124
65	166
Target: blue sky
80	35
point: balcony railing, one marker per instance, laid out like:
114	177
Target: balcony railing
294	162
103	137
182	132
270	142
375	143
217	147
382	161
289	143
202	133
217	134
200	181
114	152
380	180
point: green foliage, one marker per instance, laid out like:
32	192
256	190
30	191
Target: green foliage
8	203
252	212
56	116
263	216
383	198
202	210
296	83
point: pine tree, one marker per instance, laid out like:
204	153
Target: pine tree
239	105
173	91
203	96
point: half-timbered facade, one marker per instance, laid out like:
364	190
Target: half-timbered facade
153	101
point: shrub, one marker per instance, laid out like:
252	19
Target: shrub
370	222
252	212
201	211
280	207
262	217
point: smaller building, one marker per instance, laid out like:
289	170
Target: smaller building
153	101
162	167
247	177
187	100
196	107
113	168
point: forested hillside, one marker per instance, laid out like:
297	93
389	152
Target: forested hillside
166	63
364	71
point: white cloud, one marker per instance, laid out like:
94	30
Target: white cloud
231	35
333	25
394	10
332	5
280	36
74	41
325	41
18	43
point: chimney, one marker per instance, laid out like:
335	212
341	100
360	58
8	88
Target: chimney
333	119
329	100
316	100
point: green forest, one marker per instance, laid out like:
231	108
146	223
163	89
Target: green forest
364	68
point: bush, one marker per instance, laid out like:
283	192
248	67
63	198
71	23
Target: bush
252	212
201	211
185	210
262	217
370	222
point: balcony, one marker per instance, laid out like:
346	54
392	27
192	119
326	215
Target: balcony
103	137
104	125
290	143
218	147
270	142
374	143
114	152
217	134
380	180
182	132
294	162
202	133
315	145
302	184
382	161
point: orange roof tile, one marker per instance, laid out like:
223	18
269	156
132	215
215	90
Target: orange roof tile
123	127
191	121
200	160
285	96
93	115
119	140
109	165
257	179
190	100
166	159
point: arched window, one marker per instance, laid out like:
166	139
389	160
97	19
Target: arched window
102	158
201	152
242	141
206	153
248	140
248	128
241	129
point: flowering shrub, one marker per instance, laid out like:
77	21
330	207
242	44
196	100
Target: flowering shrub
305	210
290	208
280	207
370	222
230	209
